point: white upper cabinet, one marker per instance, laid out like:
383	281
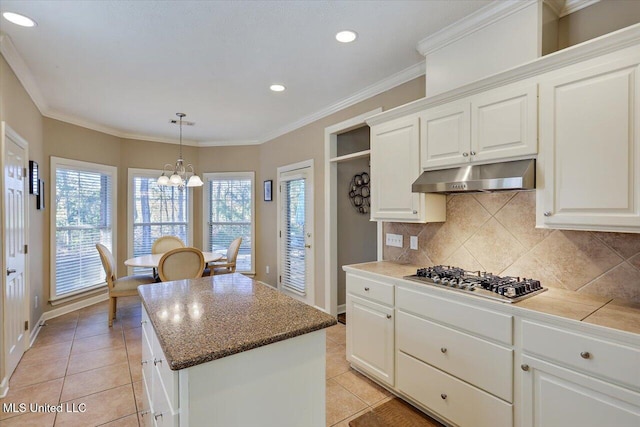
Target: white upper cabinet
590	145
445	135
504	123
395	165
494	125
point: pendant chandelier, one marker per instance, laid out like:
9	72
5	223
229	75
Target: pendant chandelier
180	176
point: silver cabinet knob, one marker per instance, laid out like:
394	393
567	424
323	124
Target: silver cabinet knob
585	355
144	362
443	349
524	367
443	396
143	413
142	322
465	154
547	213
156	361
473	153
415	212
156	416
366	289
388	316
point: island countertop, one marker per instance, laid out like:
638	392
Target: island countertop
200	320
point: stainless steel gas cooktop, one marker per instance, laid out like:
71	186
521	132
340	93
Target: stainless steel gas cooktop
506	289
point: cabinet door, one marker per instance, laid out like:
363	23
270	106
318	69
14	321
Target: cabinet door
504	123
590	145
370	338
554	396
445	135
395	164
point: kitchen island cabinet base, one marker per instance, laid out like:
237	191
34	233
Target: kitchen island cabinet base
280	384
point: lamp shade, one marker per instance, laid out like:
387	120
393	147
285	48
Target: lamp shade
194	181
163	180
175	180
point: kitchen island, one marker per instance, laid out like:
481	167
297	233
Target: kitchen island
228	351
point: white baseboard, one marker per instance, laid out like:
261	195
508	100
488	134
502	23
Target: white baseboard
266	284
342	308
4	387
56	312
35	331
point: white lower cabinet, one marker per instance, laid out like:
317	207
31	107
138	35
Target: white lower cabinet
555	396
370	332
572	377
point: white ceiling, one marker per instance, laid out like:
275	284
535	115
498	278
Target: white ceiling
126	67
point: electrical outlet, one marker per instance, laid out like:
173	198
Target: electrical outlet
394	240
413	243
267	269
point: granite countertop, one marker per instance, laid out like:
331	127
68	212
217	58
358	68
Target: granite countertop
204	319
612	313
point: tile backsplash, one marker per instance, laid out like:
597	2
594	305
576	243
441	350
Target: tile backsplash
496	232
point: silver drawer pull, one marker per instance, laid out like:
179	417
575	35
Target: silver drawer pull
465	154
156	361
156	416
443	350
585	355
143	413
547	213
443	396
388	316
142	322
524	367
144	362
415	212
473	153
366	289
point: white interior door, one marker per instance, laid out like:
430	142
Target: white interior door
295	233
15	292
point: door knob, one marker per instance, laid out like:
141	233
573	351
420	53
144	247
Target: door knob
307	246
10	271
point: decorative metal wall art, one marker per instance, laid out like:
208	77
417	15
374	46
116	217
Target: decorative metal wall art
359	192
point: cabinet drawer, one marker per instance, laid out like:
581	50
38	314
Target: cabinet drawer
587	353
477	320
146	412
449	397
147	328
147	361
163	415
371	289
476	361
168	378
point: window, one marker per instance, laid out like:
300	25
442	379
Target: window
229	211
155	211
82	214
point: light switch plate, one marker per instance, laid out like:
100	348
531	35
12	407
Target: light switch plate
394	240
413	243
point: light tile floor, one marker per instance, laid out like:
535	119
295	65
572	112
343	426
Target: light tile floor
77	359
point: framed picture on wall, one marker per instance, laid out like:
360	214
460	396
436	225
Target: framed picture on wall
267	190
40	199
33	177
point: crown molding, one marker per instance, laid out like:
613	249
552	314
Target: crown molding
384	85
19	67
52	114
575	5
482	18
608	43
228	143
557	6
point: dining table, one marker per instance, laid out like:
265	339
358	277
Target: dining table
152	260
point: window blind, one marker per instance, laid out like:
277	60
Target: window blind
157	211
293	251
230	216
83	217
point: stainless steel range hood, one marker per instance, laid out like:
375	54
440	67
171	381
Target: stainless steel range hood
518	175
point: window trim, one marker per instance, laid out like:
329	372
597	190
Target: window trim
205	210
57	162
151	173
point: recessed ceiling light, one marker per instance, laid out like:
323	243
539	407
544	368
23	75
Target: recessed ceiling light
17	19
346	36
277	88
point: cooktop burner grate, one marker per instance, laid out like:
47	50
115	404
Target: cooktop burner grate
506	289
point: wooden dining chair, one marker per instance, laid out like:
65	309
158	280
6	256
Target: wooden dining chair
181	263
122	287
227	265
166	243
